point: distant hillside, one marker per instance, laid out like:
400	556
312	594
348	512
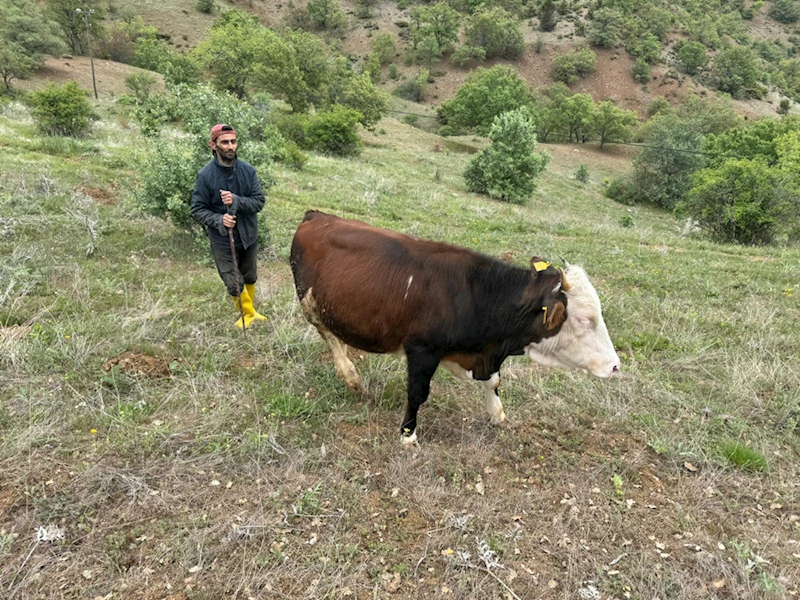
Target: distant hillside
613	79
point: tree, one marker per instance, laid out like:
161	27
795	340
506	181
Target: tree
547	16
63	110
438	21
413	88
662	170
578	114
361	95
485	94
327	15
496	31
612	124
27	37
606	28
785	11
548	110
64	12
692	57
507	169
648	48
230	53
428	50
743	201
568	68
383	47
736	71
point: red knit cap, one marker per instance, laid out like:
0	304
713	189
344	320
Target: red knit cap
220	129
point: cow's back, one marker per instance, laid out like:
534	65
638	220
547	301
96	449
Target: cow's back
374	288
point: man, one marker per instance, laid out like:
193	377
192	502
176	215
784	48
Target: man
227	196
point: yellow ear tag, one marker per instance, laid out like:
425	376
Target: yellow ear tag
541	265
544	320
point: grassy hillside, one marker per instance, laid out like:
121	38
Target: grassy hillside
167	456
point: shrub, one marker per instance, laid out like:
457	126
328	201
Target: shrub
568	68
293	156
141	85
641	71
466	53
547	16
785	11
507	169
582	174
413	88
334	131
621	190
742	201
63	110
206	6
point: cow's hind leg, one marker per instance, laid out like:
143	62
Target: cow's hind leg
343	366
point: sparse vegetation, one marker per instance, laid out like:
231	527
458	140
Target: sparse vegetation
145	446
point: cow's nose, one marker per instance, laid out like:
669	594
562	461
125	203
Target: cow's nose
615	370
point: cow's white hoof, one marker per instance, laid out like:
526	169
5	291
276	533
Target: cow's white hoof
410	441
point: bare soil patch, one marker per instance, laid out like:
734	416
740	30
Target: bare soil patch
134	363
109	75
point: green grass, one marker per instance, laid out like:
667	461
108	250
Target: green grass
709	336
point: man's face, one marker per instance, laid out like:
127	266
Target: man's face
225	146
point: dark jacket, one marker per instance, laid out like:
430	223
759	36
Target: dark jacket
248	199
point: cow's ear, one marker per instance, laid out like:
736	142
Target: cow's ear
538	264
556	316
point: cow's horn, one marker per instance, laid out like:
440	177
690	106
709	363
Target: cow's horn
564	260
565	285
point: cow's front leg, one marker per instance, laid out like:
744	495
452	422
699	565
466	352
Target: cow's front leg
422	365
493	405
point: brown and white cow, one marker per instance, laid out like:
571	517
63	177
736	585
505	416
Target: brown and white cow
382	291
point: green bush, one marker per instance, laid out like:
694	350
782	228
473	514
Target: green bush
293	156
507	169
466	53
333	132
63	110
621	190
206	6
785	11
743	201
413	88
140	85
582	174
641	71
568	68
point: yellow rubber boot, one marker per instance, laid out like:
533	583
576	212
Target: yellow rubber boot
246	309
250	289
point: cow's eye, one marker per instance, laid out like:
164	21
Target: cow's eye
587	322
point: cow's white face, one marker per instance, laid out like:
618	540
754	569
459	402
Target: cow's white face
583	342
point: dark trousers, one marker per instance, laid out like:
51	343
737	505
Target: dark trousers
246	260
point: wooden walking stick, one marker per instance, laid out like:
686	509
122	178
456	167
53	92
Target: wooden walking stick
237	276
